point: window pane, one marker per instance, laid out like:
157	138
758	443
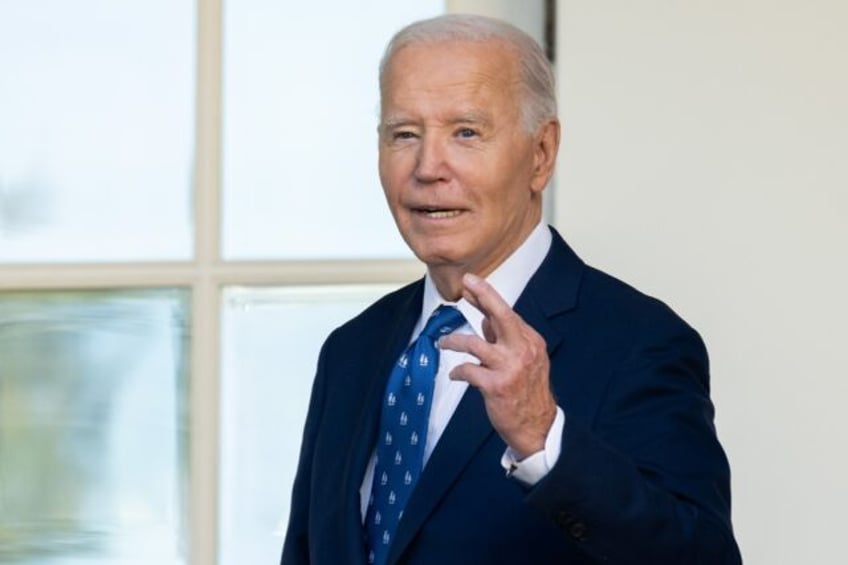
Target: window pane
271	340
300	120
93	440
96	126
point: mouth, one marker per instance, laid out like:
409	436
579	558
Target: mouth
438	213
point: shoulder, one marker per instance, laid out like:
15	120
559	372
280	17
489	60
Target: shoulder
632	317
608	317
597	298
622	301
640	334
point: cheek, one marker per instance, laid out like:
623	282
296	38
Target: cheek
393	172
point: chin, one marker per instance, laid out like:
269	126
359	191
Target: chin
443	260
435	250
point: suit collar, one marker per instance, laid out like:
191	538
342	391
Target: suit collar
552	291
555	284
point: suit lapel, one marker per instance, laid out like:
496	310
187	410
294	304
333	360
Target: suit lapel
397	329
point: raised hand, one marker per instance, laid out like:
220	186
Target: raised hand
513	374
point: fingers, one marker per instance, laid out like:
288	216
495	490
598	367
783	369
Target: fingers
485	298
513	374
500	325
470	343
527	351
500	321
475	375
478	376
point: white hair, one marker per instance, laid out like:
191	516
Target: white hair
536	77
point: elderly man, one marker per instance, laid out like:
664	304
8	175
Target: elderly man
515	405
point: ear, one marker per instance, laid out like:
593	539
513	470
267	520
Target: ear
545	147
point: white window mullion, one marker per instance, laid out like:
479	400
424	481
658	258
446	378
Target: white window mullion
205	325
95	276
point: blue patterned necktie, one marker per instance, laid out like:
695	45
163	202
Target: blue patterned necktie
403	431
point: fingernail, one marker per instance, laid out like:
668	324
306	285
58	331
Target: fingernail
472	279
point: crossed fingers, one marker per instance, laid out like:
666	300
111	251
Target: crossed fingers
513	372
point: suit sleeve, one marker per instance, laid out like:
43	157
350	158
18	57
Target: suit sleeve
296	544
646	480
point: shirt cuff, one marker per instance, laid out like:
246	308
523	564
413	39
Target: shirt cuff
533	468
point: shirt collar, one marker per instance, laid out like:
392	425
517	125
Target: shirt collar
509	279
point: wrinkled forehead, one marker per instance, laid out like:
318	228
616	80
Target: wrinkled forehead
443	81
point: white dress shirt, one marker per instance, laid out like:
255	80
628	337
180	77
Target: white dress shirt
509	280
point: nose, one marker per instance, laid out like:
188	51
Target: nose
431	161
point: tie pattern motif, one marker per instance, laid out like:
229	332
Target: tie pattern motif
403	431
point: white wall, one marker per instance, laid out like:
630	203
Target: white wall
705	160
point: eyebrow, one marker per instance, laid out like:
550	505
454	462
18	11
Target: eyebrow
470	117
395	123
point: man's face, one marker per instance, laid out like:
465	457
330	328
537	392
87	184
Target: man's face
462	176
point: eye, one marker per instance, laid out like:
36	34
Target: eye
403	134
466	133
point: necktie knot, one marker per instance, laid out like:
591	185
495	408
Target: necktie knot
443	321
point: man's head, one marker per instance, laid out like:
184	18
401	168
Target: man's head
468	139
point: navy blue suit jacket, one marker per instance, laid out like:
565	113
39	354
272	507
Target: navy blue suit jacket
641	479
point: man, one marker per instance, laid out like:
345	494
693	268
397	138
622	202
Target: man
567	418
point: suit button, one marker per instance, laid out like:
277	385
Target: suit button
577	530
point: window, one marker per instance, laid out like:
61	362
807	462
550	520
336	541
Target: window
188	204
96	107
93	435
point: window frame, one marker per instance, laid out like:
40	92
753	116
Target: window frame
204	276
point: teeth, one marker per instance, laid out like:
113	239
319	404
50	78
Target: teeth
442	214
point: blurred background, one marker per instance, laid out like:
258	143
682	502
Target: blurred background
189	204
